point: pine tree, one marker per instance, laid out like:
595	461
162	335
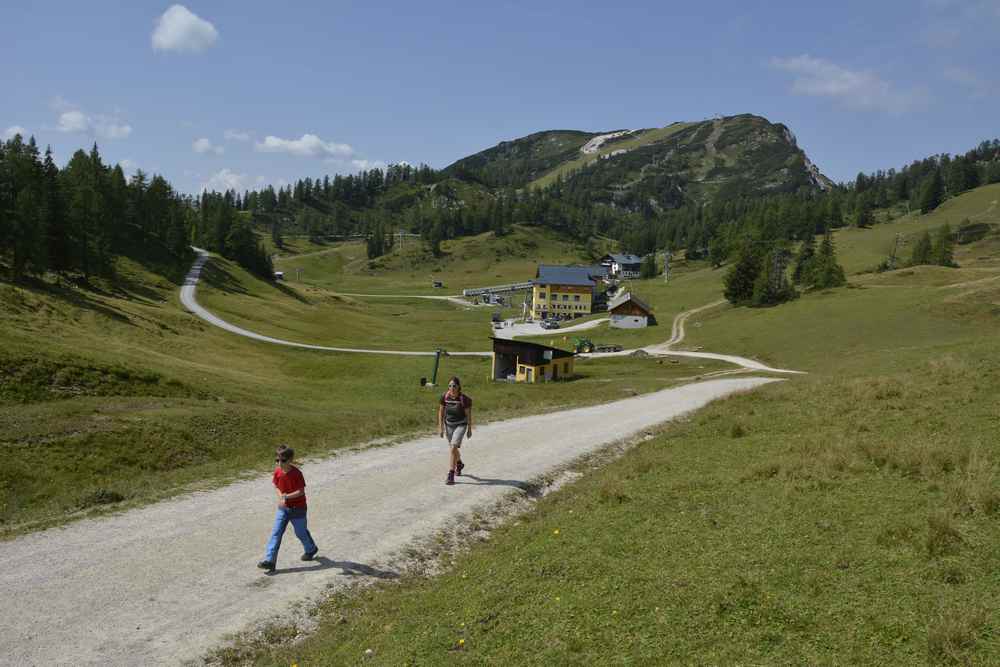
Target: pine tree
931	192
943	252
57	233
863	218
804	261
739	280
648	268
826	271
771	285
276	238
718	251
922	250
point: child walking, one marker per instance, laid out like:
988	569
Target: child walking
290	486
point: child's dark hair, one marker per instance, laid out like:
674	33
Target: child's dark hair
284	453
455	381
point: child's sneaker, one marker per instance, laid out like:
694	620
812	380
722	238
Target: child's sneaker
451	477
266	565
458	470
309	555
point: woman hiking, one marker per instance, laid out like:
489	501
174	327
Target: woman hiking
455	423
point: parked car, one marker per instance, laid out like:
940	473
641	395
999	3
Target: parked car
550	324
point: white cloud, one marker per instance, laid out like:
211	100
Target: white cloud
128	165
855	89
178	29
106	127
308	146
367	165
227	179
112	130
14	130
203	145
73	121
236	135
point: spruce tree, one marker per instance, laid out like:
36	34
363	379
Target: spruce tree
739	280
922	250
57	233
931	192
943	252
863	217
826	271
771	285
804	261
648	267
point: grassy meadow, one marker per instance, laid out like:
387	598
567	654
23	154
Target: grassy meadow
847	516
115	396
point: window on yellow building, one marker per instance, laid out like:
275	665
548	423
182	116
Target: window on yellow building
576	297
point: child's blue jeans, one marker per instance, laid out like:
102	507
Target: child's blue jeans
297	517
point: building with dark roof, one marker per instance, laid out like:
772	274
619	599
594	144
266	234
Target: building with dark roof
630	312
565	292
521	361
622	265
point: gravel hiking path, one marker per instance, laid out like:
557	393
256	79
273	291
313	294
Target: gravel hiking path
677	334
166	583
190	302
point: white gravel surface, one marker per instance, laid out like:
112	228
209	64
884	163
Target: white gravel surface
166	583
190	302
512	329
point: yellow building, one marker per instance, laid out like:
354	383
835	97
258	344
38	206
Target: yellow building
521	361
564	292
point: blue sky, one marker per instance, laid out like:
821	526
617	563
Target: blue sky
234	94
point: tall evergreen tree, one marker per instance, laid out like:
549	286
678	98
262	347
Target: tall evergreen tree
739	280
804	261
826	271
648	268
931	192
943	252
57	233
771	285
922	250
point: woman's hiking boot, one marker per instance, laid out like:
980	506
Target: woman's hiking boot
451	478
266	565
458	468
309	555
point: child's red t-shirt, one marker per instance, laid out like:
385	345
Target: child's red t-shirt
290	482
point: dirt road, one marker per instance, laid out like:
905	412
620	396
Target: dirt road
165	583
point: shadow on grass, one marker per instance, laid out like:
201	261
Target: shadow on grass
347	568
288	291
220	279
531	490
79	297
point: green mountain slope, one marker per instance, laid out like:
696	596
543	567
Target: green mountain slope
659	168
519	162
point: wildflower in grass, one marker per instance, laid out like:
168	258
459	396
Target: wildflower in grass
555	532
